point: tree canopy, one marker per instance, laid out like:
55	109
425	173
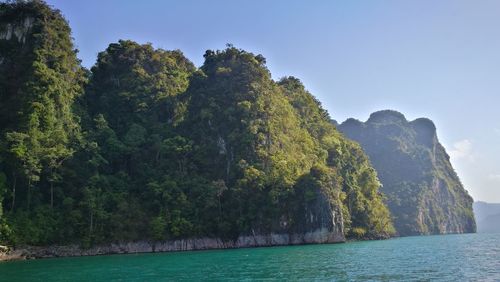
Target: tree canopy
144	145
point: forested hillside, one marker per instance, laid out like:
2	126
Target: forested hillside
146	146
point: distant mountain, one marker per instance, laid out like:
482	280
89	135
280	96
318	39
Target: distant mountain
423	191
487	217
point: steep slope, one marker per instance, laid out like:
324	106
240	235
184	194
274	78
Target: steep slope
279	172
364	212
423	191
250	141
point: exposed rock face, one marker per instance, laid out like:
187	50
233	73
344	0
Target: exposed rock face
423	191
313	237
19	30
15	33
322	222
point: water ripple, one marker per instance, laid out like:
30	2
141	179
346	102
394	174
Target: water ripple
470	257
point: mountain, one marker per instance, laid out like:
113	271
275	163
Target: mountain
487	216
424	193
145	147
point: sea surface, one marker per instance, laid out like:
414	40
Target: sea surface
469	257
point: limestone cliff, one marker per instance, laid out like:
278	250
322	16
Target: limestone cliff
423	191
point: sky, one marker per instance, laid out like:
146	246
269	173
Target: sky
424	58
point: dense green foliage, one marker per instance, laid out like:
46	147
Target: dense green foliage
40	77
146	146
424	192
364	212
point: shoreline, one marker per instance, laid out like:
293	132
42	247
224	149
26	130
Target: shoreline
319	236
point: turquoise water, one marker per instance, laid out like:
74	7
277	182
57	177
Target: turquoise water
471	257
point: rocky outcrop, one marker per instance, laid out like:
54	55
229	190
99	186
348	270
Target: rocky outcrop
313	237
324	217
15	33
19	30
423	191
4	250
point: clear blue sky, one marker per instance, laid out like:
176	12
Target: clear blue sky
436	59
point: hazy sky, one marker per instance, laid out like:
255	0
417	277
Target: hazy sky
436	59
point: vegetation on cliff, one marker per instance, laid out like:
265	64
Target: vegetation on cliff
147	146
362	203
423	190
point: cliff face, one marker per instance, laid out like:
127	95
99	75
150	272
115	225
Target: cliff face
193	244
15	49
423	191
319	221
